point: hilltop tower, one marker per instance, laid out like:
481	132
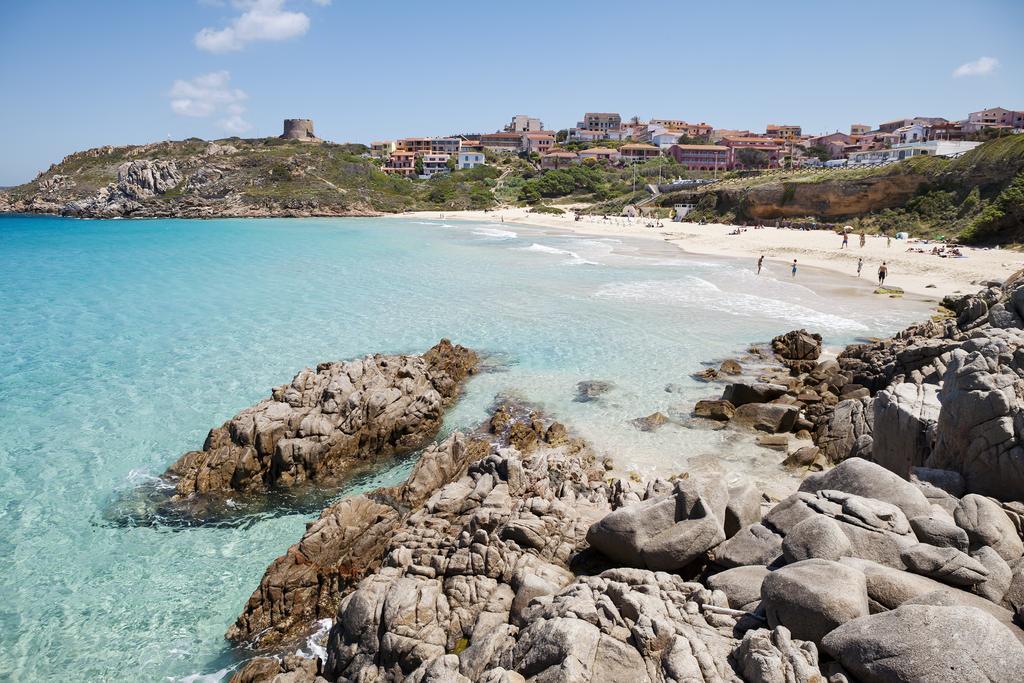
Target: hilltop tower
299	129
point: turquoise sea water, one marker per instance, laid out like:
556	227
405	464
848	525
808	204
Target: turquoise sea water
123	342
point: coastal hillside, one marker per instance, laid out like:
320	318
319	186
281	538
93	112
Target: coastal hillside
234	177
978	196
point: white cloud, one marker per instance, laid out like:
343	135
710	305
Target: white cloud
261	20
322	3
208	95
979	67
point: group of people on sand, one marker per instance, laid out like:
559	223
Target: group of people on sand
883	270
863	240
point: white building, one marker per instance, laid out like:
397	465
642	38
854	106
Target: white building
434	164
938	148
521	123
469	159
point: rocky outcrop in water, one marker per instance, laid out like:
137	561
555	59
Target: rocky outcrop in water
328	422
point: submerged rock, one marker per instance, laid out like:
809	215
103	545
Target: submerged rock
591	389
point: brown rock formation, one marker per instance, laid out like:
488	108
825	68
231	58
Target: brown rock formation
327	422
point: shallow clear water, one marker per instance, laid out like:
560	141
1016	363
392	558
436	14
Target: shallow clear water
123	342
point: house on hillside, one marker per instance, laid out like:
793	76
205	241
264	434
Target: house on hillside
772	152
538	143
559	158
638	152
469	159
700	157
599	154
401	163
434	164
382	149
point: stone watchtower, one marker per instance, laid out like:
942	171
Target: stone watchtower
299	129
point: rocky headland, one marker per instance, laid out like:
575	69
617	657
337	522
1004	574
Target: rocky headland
513	553
326	424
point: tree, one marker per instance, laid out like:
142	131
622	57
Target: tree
562	135
419	165
691	140
752	158
820	151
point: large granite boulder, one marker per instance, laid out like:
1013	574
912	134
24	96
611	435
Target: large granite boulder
327	423
741	585
767	417
867	479
903	428
665	532
740	393
981	422
812	597
927	643
846	431
987	524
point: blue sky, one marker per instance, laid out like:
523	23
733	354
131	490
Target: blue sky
82	74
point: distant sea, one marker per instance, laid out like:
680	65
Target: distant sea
123	342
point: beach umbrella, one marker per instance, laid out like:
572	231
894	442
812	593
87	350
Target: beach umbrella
848	228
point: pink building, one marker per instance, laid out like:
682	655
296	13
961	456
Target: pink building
700	157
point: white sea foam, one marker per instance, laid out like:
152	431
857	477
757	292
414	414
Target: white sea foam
574	258
699	293
316	643
495	233
214	677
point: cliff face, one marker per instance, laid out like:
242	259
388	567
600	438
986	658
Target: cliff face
829	199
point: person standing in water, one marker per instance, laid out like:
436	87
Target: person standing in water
860	264
794	267
883	270
760	262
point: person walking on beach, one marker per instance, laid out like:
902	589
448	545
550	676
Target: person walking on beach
860	264
846	240
794	267
863	240
883	270
760	262
888	241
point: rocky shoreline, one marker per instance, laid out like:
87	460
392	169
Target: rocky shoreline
513	554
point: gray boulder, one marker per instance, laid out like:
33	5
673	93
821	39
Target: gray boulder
980	425
867	479
740	393
987	524
947	565
999	577
914	643
812	597
665	532
905	415
743	509
846	431
773	656
939	532
741	585
819	537
767	417
754	544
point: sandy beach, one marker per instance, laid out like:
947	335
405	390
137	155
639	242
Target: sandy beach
921	274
